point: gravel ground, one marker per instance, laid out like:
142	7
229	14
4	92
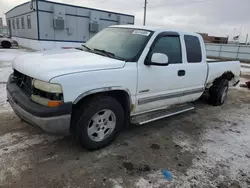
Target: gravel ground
208	147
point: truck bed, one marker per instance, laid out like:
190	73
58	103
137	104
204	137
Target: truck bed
217	68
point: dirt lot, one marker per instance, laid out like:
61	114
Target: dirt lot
208	147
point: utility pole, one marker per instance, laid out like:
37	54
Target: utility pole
145	12
246	39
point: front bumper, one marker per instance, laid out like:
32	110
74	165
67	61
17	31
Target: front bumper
52	120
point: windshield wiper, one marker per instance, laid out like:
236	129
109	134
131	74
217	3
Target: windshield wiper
83	45
109	54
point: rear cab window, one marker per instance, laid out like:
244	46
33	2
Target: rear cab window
193	48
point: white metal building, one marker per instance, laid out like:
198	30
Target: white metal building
41	25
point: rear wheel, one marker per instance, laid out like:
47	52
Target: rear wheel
98	122
218	93
6	44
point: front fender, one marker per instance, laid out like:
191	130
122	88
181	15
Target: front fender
79	85
100	90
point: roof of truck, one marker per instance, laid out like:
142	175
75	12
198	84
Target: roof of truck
158	29
139	27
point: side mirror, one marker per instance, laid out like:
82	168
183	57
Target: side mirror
158	59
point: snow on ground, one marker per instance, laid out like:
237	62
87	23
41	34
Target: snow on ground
10	145
10	54
4	105
5	71
6	57
15	142
245	64
156	180
224	154
245	67
229	153
247	70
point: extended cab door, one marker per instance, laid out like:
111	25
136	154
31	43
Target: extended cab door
195	67
161	86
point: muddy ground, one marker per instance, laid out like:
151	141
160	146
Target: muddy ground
207	147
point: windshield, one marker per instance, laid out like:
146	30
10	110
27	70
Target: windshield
121	43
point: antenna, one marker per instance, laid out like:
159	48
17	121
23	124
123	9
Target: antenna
145	12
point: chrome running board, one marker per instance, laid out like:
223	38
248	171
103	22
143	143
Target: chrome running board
160	114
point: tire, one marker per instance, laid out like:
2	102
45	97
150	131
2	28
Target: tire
6	44
218	92
90	122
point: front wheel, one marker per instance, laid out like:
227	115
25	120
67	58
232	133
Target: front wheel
218	93
6	44
99	122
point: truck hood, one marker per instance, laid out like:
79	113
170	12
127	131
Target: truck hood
49	64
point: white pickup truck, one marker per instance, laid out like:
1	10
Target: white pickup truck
123	74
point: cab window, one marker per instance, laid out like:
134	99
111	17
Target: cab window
169	45
193	47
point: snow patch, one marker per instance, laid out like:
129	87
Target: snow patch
4	105
245	69
117	183
10	54
5	73
14	153
183	141
106	152
48	159
153	180
11	141
225	154
245	64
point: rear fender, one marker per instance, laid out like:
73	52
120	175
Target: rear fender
228	75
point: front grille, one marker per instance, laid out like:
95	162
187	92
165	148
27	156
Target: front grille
23	81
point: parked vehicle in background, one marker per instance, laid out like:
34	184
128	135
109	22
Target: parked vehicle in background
7	42
123	74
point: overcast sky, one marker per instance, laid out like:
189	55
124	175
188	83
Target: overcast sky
215	17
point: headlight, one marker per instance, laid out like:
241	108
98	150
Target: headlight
48	87
47	94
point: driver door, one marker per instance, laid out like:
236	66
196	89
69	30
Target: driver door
160	86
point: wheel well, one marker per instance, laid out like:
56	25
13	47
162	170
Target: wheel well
120	95
5	42
225	76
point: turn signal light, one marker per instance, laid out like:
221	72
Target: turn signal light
54	103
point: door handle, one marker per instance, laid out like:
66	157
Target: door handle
181	73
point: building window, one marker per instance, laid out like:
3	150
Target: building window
193	48
22	22
13	24
29	22
17	23
171	46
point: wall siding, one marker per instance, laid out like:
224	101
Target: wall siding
22	11
230	51
42	30
76	22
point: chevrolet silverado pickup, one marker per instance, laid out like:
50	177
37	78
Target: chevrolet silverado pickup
122	75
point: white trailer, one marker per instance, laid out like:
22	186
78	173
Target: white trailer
43	25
